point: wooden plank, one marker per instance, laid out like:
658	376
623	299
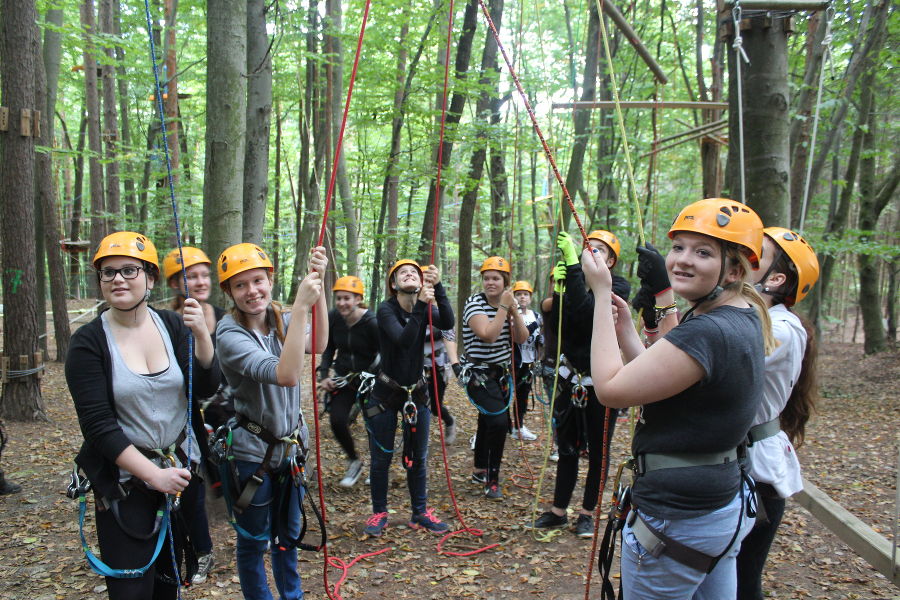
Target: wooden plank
643	104
780	4
862	539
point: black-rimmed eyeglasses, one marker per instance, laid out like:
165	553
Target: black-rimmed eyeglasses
129	272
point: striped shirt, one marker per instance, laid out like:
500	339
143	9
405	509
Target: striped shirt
477	350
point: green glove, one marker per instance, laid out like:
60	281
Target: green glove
568	248
559	277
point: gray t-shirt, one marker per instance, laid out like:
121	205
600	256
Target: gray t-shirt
248	361
150	409
712	415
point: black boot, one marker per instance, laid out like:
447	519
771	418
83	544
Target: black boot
8	487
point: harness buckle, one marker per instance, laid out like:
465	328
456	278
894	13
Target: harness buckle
78	485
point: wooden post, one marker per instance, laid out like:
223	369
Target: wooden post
4	369
815	5
39	364
616	17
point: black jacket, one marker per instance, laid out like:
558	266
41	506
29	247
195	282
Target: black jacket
402	336
356	346
89	376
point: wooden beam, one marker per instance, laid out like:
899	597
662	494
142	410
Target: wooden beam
643	104
616	17
870	545
780	4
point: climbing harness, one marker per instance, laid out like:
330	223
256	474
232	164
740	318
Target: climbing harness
480	373
764	430
621	506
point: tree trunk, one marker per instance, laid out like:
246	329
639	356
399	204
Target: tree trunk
131	208
226	126
95	169
276	221
766	102
709	149
46	83
21	399
454	114
392	176
77	211
259	117
110	119
489	77
351	228
582	117
871	204
801	127
500	204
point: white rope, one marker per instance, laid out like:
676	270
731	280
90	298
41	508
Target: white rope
739	54
826	56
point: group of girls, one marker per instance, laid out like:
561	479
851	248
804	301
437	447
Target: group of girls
702	383
128	373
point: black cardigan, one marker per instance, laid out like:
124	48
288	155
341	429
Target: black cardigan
89	376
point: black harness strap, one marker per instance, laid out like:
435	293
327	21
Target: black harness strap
256	479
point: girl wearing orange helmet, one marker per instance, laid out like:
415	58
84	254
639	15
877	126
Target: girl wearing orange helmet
261	352
400	390
491	323
788	269
353	336
698	389
127	371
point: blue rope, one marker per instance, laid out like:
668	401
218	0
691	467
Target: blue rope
172	549
488	413
190	382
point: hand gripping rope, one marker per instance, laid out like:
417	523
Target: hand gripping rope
434	373
568	199
334	593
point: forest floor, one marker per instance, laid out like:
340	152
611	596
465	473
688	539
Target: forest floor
850	453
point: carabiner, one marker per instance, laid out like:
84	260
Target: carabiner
410	412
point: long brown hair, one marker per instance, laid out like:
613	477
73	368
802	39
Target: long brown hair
750	295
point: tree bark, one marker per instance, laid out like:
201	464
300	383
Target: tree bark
709	149
131	208
766	121
582	117
226	126
21	399
259	117
46	83
77	210
454	114
92	102
871	204
391	176
110	119
351	228
500	204
489	76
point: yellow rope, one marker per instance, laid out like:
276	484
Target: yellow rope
615	91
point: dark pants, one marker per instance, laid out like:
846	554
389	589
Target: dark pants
193	503
492	397
523	391
755	547
580	429
121	551
446	417
342	400
382	428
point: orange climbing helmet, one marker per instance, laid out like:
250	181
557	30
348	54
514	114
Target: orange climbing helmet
239	258
397	265
522	286
192	256
127	243
349	283
802	255
610	240
495	263
726	220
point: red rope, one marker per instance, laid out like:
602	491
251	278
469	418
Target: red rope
537	128
334	594
434	375
598	510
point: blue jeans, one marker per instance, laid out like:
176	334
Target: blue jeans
382	429
644	576
257	519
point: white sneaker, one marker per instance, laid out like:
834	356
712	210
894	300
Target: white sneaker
554	456
205	564
450	434
526	434
354	470
472	441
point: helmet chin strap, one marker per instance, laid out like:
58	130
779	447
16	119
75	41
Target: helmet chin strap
760	285
145	298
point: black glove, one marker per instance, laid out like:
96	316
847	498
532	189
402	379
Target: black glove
652	270
645	302
457	369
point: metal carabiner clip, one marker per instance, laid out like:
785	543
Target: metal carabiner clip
410	412
579	395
